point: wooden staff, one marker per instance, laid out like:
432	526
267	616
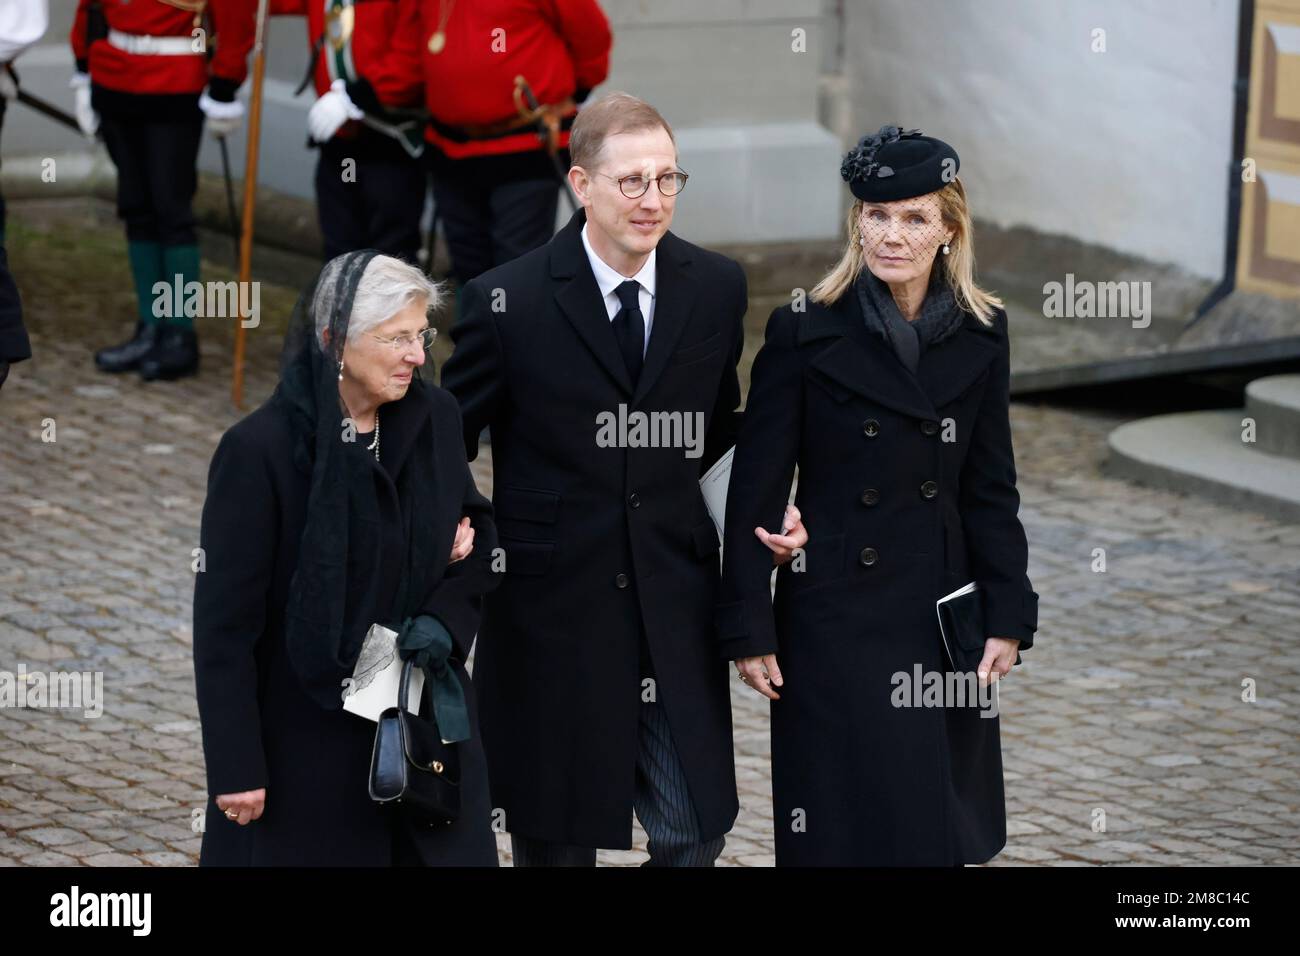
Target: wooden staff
250	197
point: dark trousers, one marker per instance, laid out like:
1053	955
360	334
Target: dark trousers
662	802
494	208
376	201
156	176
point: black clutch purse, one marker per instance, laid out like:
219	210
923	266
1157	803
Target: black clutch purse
411	765
961	625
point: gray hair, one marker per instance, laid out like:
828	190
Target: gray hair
387	286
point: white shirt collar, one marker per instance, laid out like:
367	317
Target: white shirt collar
608	278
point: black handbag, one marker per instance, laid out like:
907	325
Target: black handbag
411	765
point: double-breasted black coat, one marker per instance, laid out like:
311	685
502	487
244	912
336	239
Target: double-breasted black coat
907	489
602	543
260	728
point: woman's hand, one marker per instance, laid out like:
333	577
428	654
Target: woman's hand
999	656
242	808
464	543
793	535
761	673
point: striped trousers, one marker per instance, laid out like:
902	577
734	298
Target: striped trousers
662	803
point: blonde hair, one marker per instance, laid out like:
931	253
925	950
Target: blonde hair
611	114
957	268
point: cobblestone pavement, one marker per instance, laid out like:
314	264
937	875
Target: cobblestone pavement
1125	735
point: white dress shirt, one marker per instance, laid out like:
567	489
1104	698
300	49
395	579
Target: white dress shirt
608	279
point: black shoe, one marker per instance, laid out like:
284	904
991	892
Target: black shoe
127	356
175	356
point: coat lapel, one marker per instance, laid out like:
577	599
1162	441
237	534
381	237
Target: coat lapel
579	299
855	362
948	369
675	290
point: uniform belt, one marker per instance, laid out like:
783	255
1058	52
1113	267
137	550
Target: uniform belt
562	114
145	45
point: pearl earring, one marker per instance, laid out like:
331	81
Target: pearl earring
862	241
945	248
340	371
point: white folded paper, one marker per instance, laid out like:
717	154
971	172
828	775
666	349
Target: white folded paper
375	680
714	486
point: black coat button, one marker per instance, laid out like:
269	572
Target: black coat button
870	496
868	557
929	428
621	580
634	500
929	489
871	428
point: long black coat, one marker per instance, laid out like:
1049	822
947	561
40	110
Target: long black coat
600	542
897	517
260	728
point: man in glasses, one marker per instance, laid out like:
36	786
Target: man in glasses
605	365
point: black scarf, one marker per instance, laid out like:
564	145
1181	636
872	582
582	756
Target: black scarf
939	319
324	630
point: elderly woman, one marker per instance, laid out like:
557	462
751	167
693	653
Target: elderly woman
343	501
890	394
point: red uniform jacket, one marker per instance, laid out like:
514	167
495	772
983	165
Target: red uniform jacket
373	25
560	46
232	21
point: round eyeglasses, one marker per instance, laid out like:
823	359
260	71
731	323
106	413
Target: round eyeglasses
635	186
401	343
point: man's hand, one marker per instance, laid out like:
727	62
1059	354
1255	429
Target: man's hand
87	118
222	118
999	658
243	808
464	543
330	112
761	673
792	535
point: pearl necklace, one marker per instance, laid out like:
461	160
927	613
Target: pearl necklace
374	445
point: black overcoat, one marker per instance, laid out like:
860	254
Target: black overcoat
907	489
260	728
601	544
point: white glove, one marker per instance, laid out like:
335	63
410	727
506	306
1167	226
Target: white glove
223	118
8	88
331	111
87	118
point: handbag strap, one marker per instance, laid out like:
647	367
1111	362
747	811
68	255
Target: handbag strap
405	684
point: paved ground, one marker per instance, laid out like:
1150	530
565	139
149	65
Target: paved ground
1125	735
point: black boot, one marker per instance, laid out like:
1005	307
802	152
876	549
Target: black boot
175	356
127	356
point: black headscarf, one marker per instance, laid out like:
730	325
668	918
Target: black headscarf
324	620
940	316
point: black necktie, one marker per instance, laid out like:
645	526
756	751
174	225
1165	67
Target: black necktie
629	328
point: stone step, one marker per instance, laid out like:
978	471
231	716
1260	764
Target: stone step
1274	403
1202	453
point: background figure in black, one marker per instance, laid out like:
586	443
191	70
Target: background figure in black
23	23
371	179
145	82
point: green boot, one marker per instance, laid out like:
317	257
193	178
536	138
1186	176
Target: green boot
146	270
177	352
